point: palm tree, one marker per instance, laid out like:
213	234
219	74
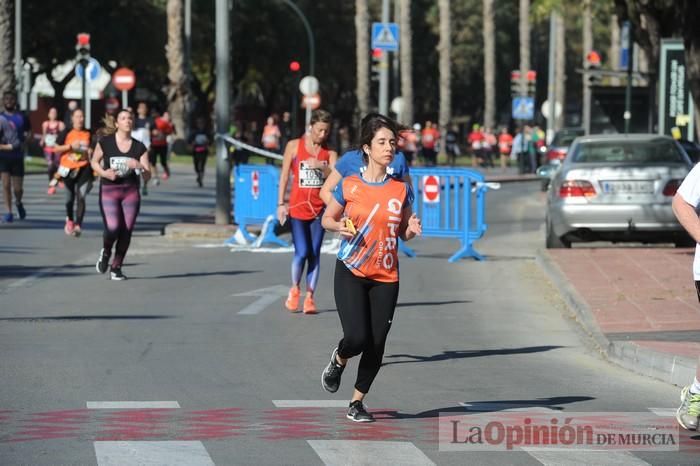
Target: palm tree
524	29
406	51
362	55
178	91
489	64
445	50
7	72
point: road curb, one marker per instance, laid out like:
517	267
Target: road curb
676	370
198	230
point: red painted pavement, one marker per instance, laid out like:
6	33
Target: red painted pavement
647	292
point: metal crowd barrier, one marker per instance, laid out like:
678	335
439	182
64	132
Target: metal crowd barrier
444	203
255	202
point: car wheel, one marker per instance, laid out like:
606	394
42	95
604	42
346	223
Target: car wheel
552	241
544	186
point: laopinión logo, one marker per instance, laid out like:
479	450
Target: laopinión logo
508	431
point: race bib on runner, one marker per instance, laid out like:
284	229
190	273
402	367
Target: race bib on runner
63	171
50	140
120	165
310	177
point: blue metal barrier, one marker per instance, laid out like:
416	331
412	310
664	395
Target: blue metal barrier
255	199
444	203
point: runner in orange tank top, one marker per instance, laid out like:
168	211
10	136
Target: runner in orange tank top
310	162
371	211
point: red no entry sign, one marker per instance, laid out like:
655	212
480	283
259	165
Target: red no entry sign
124	79
431	189
255	184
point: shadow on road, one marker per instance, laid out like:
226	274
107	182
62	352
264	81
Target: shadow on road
201	274
22	271
432	303
486	406
81	318
449	355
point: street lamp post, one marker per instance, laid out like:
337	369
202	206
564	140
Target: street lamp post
223	53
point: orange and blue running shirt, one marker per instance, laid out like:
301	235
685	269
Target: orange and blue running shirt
376	210
305	203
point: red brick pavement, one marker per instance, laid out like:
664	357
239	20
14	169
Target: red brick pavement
640	295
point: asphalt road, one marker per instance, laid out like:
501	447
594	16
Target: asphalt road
192	362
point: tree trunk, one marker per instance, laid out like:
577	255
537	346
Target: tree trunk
362	56
178	90
489	65
406	51
445	50
560	70
7	52
524	30
587	47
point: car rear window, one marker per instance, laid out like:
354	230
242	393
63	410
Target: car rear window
565	139
650	151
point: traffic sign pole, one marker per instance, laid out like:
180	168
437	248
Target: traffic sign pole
125	98
384	70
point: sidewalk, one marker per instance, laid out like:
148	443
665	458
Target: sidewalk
639	304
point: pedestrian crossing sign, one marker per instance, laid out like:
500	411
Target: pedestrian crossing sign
385	36
523	108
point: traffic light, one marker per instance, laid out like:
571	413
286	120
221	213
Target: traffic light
376	63
531	78
82	47
294	66
592	65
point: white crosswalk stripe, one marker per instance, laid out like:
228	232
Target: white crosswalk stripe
168	453
563	457
133	405
165	453
362	452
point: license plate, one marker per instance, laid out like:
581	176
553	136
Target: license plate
628	187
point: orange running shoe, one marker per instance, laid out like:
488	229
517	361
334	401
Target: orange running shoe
292	302
309	305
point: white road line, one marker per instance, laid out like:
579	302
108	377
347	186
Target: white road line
266	296
133	405
664	412
258	305
168	453
564	457
310	403
361	452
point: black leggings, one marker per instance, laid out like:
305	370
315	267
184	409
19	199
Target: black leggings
159	152
78	188
366	309
200	161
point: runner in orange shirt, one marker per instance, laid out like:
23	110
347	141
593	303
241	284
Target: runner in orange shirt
310	162
74	168
429	139
505	145
371	211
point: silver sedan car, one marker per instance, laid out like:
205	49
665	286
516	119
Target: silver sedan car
617	188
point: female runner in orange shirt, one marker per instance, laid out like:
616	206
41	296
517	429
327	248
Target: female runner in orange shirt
371	211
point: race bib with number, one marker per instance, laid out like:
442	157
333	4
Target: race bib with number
63	171
310	177
120	165
50	140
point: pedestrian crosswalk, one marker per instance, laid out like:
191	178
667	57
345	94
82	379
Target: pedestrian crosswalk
357	451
